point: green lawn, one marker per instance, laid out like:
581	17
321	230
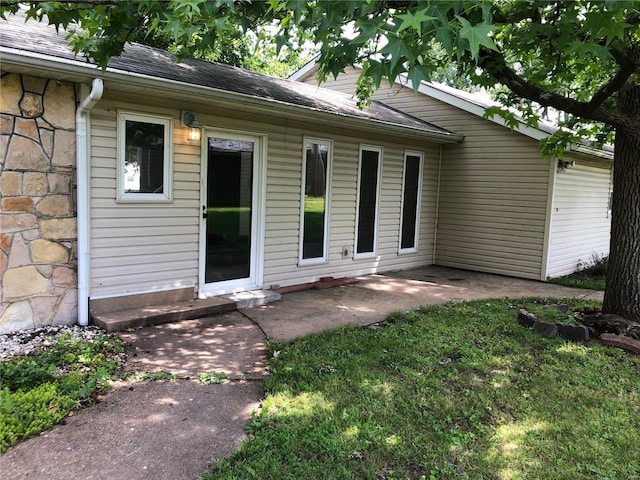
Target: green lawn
582	280
591	276
460	391
224	223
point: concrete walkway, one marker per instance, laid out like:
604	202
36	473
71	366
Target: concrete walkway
172	429
375	296
158	430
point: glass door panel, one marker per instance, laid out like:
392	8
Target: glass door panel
228	210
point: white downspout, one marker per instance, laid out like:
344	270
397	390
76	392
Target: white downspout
82	197
437	212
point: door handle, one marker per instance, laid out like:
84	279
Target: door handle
204	211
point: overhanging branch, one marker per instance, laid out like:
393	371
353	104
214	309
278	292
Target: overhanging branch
494	63
627	68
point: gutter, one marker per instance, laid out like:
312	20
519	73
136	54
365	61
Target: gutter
589	153
82	200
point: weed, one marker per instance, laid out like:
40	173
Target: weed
212	378
157	376
591	274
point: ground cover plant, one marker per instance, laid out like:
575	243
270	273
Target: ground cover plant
592	275
458	391
38	390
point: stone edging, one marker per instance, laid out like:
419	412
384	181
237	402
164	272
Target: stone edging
576	333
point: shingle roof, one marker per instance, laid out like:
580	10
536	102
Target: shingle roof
39	38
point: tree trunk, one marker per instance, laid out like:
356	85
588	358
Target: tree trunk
622	294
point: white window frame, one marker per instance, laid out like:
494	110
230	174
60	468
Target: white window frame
327	201
414	249
167	191
379	150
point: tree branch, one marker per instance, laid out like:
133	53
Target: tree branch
627	68
494	63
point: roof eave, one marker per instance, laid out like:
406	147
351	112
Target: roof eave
62	68
590	153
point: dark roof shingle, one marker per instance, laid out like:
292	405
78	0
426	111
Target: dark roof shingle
40	38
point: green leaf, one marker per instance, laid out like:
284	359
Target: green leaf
417	74
414	20
375	70
476	35
368	30
583	49
510	118
605	26
398	49
445	38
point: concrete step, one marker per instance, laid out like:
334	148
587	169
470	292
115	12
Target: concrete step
176	311
157	314
253	298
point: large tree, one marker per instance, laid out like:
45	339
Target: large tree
577	57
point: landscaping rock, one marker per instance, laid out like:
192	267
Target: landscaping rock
526	319
577	333
627	343
549	330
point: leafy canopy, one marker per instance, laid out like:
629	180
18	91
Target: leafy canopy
570	56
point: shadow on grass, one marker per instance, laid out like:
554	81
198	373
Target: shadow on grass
455	391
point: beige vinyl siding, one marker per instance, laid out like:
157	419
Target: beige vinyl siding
580	222
493	188
283	210
493	201
141	247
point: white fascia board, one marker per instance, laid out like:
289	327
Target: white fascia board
304	70
448	98
471	107
474	108
84	71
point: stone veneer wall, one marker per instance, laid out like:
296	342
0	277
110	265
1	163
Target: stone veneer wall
38	261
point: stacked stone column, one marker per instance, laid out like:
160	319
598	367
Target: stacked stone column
38	261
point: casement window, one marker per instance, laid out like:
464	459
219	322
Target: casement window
314	218
370	166
411	200
144	158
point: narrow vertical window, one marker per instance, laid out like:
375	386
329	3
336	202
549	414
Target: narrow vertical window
315	201
411	191
368	193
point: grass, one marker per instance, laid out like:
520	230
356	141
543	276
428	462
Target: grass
225	222
592	275
37	391
581	280
458	391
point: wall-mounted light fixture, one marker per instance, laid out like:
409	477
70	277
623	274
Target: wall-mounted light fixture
562	165
190	119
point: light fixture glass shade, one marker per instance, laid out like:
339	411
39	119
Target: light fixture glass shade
191	120
194	134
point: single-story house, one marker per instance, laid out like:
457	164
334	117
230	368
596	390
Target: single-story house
501	207
157	178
